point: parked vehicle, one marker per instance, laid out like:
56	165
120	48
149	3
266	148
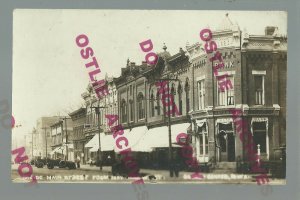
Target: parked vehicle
51	163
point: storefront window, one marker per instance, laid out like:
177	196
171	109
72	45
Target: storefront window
203	140
260	135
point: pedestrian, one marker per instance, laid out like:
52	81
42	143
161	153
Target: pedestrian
78	161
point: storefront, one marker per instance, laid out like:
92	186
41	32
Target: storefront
107	148
153	147
61	152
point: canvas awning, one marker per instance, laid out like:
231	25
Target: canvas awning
55	150
93	149
134	136
107	143
59	149
201	122
159	137
92	142
224	121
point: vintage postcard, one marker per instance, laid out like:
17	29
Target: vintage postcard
149	96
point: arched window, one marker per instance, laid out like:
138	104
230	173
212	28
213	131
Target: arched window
180	98
173	93
152	110
158	103
123	111
187	93
141	106
131	108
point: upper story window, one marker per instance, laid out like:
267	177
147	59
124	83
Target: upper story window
226	97
141	106
201	94
131	110
259	89
203	139
179	99
123	111
187	92
152	109
158	103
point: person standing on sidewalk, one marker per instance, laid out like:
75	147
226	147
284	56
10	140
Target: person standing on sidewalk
78	162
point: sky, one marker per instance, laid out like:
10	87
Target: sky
49	75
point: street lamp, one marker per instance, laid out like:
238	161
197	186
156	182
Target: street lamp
97	111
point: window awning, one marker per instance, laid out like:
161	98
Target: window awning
201	122
259	119
92	142
134	137
159	137
94	149
55	150
224	121
107	143
59	149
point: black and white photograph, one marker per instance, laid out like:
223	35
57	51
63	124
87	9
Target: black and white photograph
149	96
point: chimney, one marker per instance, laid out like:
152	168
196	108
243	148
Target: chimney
144	63
132	64
269	30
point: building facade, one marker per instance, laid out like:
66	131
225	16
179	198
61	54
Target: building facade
256	66
106	105
79	119
43	137
62	139
142	113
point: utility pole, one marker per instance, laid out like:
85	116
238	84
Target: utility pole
67	152
213	108
168	79
97	111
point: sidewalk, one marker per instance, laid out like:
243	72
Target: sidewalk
94	168
183	175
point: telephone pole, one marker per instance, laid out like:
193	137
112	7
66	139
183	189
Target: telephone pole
65	119
97	111
168	79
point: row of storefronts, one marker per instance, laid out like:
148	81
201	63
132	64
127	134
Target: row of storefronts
255	64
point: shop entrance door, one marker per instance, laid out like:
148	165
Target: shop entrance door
226	144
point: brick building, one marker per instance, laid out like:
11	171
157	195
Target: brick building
141	111
257	66
79	118
42	134
108	105
62	139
